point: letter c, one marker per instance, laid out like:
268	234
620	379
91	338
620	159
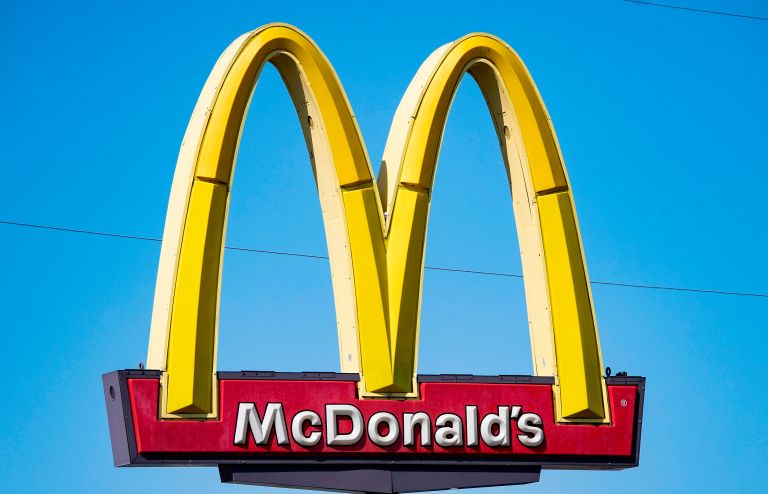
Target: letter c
297	428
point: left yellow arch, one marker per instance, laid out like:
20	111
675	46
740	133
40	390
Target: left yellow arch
376	247
185	313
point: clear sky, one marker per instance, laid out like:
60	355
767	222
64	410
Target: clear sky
661	116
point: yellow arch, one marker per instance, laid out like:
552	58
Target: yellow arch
185	313
376	256
564	336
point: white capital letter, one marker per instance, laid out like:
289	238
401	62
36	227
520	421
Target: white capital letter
332	413
247	415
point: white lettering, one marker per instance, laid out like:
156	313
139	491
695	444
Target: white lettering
393	429
530	423
274	418
297	428
448	435
501	420
472	439
385	429
332	414
411	420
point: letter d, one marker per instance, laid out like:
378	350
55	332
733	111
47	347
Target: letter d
332	414
501	420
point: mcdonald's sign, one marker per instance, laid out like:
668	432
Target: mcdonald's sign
377	425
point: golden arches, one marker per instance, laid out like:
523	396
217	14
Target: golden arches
376	254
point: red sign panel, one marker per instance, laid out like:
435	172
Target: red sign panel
306	418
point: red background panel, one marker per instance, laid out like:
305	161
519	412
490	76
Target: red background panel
217	436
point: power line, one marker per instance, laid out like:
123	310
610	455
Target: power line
431	268
75	230
679	289
702	11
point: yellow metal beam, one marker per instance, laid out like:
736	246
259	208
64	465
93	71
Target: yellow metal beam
376	247
208	155
195	303
562	325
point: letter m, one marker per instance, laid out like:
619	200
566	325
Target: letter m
248	416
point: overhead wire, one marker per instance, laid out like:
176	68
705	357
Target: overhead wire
701	11
431	268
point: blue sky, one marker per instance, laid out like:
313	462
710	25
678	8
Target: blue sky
661	116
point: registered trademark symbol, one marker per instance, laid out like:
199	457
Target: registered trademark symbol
623	403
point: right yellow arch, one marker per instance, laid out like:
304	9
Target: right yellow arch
564	337
376	230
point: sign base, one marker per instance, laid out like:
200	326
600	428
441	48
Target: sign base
385	479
